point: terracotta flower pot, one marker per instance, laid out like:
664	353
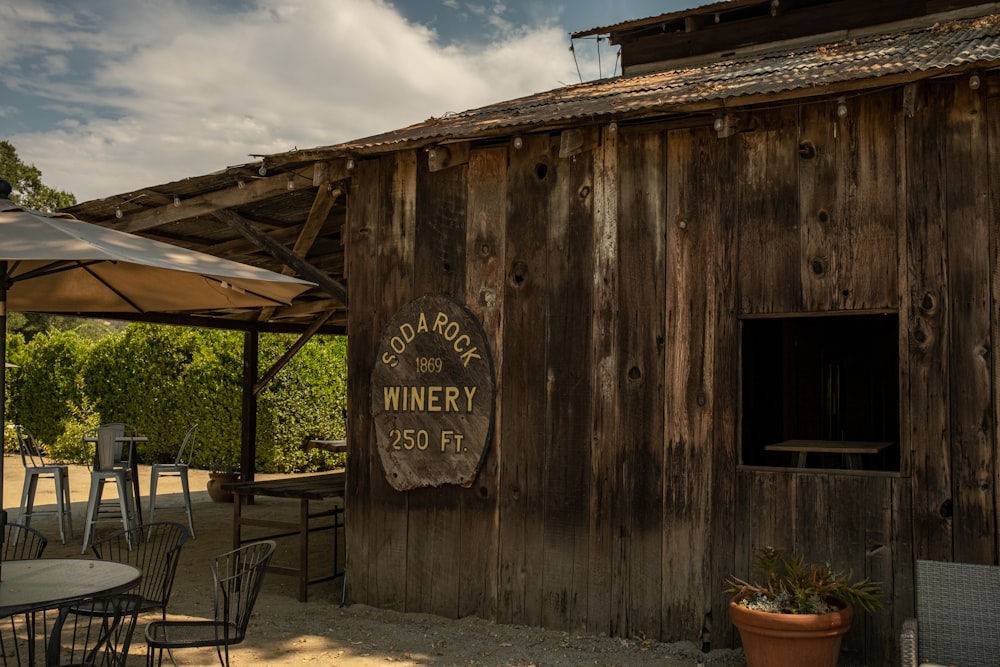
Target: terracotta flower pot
214	486
791	640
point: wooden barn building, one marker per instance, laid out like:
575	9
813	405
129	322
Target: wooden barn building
742	295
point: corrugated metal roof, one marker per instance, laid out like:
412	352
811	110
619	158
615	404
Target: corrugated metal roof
721	5
689	87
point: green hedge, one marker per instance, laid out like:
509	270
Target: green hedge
164	379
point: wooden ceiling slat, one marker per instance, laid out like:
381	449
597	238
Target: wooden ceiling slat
265	188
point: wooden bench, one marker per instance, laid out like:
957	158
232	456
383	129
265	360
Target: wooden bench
304	488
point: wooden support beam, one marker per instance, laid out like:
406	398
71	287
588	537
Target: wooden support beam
237	195
576	141
447	155
320	211
290	352
283	254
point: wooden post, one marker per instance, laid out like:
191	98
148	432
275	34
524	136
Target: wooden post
248	441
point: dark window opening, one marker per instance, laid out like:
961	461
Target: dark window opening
821	392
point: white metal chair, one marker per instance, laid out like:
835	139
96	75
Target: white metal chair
109	466
176	469
36	468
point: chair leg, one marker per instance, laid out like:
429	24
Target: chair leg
93	507
154	477
62	507
187	500
66	502
27	498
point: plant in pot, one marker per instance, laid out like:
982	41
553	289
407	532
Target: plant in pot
219	473
798	609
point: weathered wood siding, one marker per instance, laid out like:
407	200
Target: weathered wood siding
612	283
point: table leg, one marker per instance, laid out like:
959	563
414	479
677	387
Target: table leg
237	520
134	464
303	550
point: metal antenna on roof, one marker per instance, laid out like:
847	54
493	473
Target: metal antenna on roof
572	49
600	70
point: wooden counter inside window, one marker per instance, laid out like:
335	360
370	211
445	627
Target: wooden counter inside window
851	450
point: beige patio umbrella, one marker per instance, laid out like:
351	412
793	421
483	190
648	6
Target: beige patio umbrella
55	263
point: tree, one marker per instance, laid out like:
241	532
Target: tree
29	191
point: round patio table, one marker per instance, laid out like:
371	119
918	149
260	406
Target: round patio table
49	583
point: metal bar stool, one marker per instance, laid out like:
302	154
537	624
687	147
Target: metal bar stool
36	468
176	469
109	466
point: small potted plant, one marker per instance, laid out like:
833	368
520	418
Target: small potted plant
219	473
797	609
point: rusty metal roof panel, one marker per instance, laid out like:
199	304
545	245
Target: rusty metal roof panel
721	81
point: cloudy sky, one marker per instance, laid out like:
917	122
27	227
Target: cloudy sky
108	96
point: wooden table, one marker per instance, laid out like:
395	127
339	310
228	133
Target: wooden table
851	450
305	489
335	446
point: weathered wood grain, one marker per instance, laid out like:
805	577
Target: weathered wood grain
689	392
969	271
566	468
363	220
434	532
926	365
769	243
529	187
396	249
485	253
607	383
643	219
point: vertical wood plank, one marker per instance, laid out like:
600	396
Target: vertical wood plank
388	530
689	394
567	460
485	262
847	206
726	380
641	323
769	250
847	519
606	369
969	272
925	384
363	219
523	397
434	531
993	142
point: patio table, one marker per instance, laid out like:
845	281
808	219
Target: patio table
305	489
43	584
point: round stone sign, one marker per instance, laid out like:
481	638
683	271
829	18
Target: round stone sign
432	395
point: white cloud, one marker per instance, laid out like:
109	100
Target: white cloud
166	90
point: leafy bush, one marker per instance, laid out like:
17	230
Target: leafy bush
163	379
46	382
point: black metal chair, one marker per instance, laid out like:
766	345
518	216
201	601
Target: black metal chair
237	576
95	633
21	542
155	549
92	633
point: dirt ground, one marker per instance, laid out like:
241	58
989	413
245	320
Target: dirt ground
287	632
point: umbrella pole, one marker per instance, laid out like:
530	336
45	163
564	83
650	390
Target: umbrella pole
4	280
